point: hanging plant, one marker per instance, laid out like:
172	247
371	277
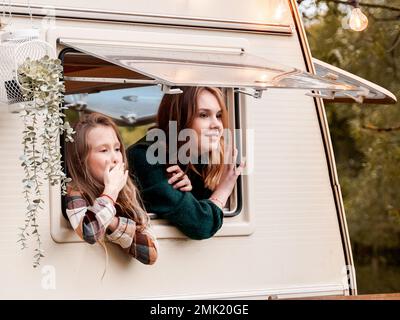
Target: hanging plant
43	123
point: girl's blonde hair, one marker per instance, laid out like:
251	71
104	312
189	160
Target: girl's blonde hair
128	202
182	108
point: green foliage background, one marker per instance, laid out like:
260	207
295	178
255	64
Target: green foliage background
366	138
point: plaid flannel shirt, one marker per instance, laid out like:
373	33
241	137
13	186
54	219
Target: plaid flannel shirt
91	222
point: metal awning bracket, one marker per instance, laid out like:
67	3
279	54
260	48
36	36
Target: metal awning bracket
330	95
357	96
331	76
360	95
256	94
168	90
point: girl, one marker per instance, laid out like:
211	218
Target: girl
198	214
102	202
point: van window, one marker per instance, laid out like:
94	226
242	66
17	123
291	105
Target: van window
132	106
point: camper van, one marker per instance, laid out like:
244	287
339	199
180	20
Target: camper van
284	233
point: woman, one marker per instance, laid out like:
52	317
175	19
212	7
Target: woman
197	213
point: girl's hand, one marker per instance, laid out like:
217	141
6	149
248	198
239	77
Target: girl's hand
114	179
179	179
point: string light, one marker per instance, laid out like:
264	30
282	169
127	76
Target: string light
358	21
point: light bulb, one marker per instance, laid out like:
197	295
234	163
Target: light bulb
358	21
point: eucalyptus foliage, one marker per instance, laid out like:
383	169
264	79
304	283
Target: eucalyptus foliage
43	123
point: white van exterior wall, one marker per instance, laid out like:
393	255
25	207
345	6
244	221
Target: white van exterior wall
295	248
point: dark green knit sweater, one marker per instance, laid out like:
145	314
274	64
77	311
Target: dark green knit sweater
191	212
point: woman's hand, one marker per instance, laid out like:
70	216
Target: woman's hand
179	179
231	171
228	180
114	179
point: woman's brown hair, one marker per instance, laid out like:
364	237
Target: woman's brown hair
77	152
182	108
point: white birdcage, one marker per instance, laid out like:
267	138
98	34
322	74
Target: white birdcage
15	48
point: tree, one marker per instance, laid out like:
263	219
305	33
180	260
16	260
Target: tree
366	138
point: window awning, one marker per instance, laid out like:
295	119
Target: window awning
174	66
375	94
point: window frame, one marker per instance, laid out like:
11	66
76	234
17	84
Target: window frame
234	114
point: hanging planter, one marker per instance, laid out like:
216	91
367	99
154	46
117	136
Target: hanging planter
15	48
43	93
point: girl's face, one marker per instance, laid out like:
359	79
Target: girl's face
208	122
103	145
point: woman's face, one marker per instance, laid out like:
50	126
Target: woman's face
208	122
103	145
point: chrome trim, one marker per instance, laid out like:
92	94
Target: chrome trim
110	80
160	46
264	294
328	150
124	17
